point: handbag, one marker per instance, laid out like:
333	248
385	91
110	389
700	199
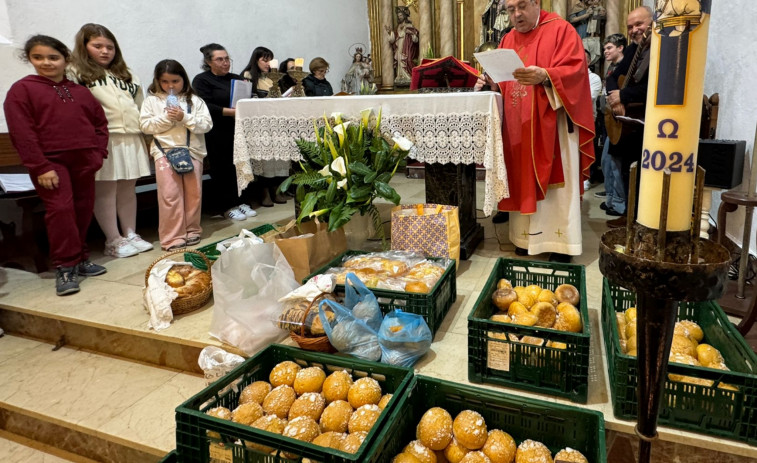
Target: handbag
430	229
179	158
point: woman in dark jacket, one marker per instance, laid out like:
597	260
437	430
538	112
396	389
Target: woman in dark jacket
316	84
214	87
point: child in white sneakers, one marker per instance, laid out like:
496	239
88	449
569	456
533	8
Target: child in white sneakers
177	119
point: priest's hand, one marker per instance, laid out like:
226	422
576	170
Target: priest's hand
532	75
483	80
49	180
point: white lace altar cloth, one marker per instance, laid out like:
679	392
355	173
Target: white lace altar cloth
458	128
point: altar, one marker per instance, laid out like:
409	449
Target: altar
452	132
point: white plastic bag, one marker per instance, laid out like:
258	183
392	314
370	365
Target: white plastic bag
248	281
216	363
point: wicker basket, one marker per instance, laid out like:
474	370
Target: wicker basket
319	343
187	304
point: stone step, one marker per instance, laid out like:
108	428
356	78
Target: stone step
91	405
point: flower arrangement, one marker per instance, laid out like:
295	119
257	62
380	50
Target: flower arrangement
347	166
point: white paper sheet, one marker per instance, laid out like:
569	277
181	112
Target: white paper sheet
12	183
499	63
239	89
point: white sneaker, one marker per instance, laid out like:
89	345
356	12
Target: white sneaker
120	247
137	241
587	185
235	214
247	210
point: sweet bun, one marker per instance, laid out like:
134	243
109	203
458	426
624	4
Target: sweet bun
435	428
384	401
695	331
270	423
255	392
531	451
363	419
630	314
571	455
546	314
455	451
310	404
547	296
218	412
567	293
525	319
502	298
336	416
568	318
534	291
414	286
475	457
302	428
499	447
708	355
333	440
352	442
516	308
174	279
247	413
469	429
309	380
279	401
420	451
336	386
501	317
284	373
405	458
527	299
504	283
195	282
364	391
683	345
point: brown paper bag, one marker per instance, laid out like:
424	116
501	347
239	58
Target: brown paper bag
306	254
430	229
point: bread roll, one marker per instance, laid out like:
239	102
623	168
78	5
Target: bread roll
336	386
499	447
247	413
309	380
284	373
420	451
364	391
255	392
363	419
455	451
475	457
310	404
336	416
571	455
530	451
302	428
279	401
469	429
435	428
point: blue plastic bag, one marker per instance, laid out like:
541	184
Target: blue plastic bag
349	334
362	302
404	338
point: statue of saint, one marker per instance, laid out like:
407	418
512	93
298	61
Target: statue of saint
587	17
358	75
495	22
405	45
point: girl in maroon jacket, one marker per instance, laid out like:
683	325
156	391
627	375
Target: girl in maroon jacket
61	134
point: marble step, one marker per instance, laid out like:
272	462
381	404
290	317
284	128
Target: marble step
17	449
91	405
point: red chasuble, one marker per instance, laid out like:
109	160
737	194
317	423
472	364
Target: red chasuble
529	127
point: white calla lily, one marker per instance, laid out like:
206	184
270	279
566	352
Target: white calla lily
342	128
325	172
337	165
337	116
342	183
403	143
365	116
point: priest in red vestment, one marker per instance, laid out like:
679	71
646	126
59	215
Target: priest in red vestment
548	128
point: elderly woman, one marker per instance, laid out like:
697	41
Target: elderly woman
316	84
214	87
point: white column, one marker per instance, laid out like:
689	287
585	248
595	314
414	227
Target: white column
387	55
425	31
447	28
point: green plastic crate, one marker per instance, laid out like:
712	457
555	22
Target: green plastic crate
492	359
171	457
432	306
212	253
699	408
556	426
192	424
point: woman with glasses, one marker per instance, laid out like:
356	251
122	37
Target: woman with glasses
214	87
273	172
316	84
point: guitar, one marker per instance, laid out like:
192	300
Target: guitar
613	126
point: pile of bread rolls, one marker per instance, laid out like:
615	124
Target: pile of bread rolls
466	439
687	348
186	280
535	306
332	411
410	274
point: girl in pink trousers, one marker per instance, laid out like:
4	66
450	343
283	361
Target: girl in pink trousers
176	118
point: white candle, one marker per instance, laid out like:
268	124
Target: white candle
274	63
299	62
753	167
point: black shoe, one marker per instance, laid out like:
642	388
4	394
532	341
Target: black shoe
501	217
600	194
87	268
620	222
560	258
604	206
613	212
66	281
520	251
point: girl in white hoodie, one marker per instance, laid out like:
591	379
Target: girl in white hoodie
176	118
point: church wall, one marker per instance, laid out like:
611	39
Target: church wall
149	31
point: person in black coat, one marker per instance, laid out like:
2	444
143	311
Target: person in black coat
316	84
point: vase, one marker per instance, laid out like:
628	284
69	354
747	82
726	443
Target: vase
358	231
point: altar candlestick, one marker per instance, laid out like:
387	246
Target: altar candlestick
299	62
674	108
753	167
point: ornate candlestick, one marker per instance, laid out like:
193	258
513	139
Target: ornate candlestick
298	75
275	76
661	257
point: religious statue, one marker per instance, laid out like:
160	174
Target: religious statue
587	17
358	75
495	22
678	13
405	45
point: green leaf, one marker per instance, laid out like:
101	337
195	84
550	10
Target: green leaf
340	215
307	206
308	178
286	184
330	193
299	193
385	177
361	169
370	177
310	152
378	225
387	192
358	194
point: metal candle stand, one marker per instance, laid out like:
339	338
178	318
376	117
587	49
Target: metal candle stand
275	76
298	75
663	268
